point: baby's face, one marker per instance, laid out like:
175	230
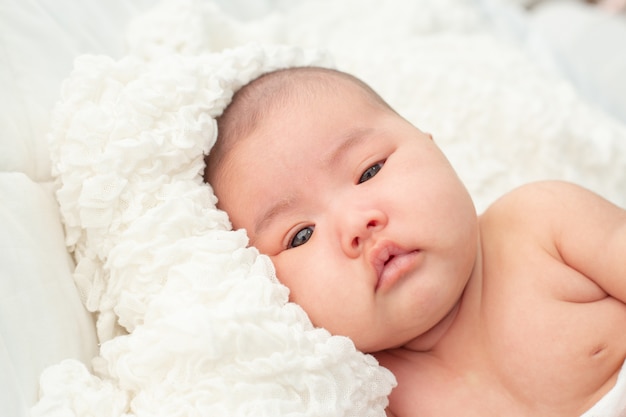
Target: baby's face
362	215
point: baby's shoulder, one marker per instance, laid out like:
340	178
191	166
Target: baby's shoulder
536	213
533	205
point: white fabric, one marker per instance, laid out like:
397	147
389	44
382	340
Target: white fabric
612	404
40	39
41	318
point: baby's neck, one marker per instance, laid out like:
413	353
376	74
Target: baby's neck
429	340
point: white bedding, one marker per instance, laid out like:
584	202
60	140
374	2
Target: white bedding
190	322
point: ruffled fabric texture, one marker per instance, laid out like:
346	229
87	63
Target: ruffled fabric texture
192	322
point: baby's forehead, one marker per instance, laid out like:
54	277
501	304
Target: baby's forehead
266	101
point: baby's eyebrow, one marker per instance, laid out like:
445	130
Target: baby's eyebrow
345	143
266	217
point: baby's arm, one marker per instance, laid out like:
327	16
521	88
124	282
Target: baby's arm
589	232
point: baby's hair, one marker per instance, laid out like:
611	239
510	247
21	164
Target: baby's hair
277	89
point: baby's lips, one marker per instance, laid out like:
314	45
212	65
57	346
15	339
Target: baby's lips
381	254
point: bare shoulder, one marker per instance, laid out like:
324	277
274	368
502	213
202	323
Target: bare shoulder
578	227
538	204
553	214
540	194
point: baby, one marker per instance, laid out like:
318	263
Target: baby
518	312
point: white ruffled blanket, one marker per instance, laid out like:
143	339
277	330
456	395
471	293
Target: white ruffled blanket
191	321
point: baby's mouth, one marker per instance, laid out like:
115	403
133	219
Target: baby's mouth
391	263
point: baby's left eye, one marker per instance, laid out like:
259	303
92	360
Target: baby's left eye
371	172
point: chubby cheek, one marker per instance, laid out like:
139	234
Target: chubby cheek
298	273
320	286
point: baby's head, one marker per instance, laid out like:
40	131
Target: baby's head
362	215
253	103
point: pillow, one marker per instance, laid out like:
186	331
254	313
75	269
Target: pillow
42	320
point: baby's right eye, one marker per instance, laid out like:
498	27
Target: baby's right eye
301	237
371	172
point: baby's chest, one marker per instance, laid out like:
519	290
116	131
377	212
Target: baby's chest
533	354
551	333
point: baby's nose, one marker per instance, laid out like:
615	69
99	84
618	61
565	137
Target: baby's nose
358	225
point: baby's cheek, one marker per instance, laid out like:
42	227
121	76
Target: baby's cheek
285	271
295	272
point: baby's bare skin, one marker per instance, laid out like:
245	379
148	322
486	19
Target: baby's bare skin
532	336
518	312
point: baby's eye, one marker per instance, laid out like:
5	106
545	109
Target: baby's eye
301	237
371	172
